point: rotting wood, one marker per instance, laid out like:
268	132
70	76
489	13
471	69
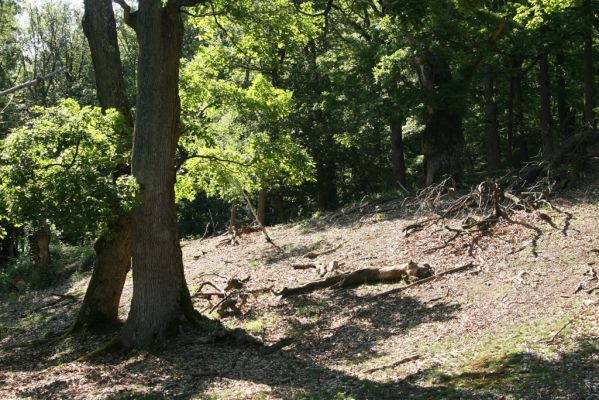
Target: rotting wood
430	278
363	275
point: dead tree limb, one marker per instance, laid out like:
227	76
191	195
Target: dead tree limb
31	82
361	276
312	254
430	278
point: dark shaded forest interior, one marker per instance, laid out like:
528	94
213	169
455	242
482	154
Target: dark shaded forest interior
288	199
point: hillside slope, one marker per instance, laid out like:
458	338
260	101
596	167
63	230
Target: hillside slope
522	323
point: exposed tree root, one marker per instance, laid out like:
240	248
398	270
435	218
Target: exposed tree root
113	345
62	298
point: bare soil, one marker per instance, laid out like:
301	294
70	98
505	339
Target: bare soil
522	324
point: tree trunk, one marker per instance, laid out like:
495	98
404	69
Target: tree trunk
443	142
39	250
545	98
9	245
113	250
262	205
280	209
491	122
99	27
233	219
520	154
397	152
510	122
326	175
113	257
589	115
160	294
560	95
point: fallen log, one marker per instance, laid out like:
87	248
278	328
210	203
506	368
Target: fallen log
364	275
430	278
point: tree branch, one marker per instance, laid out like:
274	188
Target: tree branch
68	166
130	17
32	82
187	3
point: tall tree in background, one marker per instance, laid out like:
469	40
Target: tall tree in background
589	116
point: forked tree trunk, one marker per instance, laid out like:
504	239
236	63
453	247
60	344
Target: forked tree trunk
589	115
491	122
397	152
113	250
160	295
545	99
443	142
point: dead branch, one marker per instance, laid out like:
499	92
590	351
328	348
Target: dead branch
556	334
312	254
429	279
360	276
303	266
31	82
395	364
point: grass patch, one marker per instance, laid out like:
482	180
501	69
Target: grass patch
259	325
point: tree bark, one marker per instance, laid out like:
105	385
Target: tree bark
233	218
99	27
326	175
510	121
262	205
545	99
9	245
113	256
113	250
443	142
397	152
39	250
520	152
160	294
491	122
560	95
589	115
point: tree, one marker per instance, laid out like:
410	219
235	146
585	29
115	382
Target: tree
113	250
160	294
58	168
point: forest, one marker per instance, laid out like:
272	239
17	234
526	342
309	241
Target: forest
290	199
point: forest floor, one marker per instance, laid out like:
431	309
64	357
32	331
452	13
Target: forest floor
523	323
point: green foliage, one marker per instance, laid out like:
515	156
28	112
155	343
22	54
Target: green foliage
62	165
16	276
233	142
